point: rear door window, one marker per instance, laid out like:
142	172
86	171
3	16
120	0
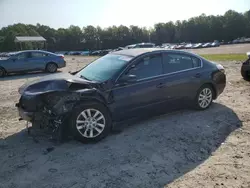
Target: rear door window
37	55
147	67
174	62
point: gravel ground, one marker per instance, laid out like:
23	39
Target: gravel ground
184	149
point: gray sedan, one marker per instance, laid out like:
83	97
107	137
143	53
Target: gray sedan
31	60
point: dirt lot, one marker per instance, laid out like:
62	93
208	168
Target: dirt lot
183	149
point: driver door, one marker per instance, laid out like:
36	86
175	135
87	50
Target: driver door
140	96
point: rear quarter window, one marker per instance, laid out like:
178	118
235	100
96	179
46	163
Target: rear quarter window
174	62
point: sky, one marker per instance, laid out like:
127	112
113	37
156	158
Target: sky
63	13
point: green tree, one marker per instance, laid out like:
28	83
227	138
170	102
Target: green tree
202	28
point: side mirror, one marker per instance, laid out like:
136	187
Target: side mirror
128	79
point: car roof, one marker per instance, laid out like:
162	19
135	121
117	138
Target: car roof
139	51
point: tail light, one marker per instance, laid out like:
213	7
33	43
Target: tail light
220	68
61	56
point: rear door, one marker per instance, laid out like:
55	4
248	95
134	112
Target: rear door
182	77
135	99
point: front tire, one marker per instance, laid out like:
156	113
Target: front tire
90	122
204	97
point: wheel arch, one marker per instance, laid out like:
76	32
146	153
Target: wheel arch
93	100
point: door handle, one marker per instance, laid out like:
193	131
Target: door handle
160	85
197	75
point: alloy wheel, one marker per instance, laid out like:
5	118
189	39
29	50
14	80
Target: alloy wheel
90	123
205	98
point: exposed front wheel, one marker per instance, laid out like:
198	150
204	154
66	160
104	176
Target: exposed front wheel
90	122
204	97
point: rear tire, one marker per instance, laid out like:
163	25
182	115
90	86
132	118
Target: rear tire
2	72
90	122
204	97
51	68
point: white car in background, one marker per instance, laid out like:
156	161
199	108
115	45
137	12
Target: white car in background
198	45
188	46
215	44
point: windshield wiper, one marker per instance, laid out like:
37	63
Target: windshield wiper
81	76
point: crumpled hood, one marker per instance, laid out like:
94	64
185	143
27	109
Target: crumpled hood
55	82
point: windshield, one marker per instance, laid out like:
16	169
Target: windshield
104	68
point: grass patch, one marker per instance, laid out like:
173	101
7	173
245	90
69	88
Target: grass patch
225	57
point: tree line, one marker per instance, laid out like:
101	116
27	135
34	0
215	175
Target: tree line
202	28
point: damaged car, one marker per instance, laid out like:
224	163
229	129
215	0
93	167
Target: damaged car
245	68
117	87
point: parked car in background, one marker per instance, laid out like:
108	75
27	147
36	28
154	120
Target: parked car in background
198	45
104	52
236	41
95	53
188	46
245	68
4	54
85	53
247	40
76	53
180	46
223	42
215	44
118	49
61	52
141	45
173	46
145	45
31	60
168	46
119	86
100	52
207	45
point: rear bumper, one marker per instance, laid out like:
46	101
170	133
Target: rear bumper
61	65
219	79
220	89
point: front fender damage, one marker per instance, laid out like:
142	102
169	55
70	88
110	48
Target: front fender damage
53	106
